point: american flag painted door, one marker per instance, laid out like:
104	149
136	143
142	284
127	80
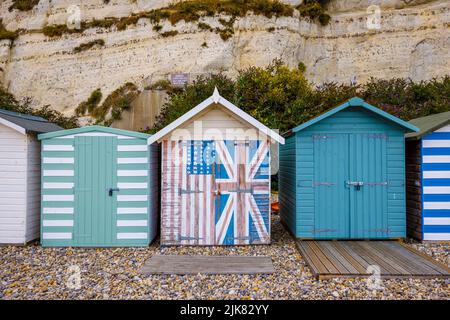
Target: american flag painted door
215	192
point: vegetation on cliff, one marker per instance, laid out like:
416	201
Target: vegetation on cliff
8	102
194	10
23	5
282	98
89	45
6	34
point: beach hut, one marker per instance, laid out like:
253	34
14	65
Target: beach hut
428	178
20	176
342	175
99	188
215	176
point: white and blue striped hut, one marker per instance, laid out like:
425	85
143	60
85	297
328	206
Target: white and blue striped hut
99	188
428	178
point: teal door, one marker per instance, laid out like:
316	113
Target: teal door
332	206
95	206
368	203
350	186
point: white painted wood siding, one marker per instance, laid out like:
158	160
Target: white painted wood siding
13	190
33	188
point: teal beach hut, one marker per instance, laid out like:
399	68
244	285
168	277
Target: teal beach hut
342	175
99	188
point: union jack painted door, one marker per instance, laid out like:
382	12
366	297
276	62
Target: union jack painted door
215	192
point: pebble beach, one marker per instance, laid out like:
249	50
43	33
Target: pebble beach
33	272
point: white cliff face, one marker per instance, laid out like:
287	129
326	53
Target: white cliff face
400	41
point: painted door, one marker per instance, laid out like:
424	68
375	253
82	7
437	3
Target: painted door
331	168
368	203
242	180
215	192
350	186
95	206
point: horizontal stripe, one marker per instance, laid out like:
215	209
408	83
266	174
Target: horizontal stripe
437	136
436	229
57	235
132	223
443	129
57	223
94	134
129	185
436	144
58	147
436	221
132	147
132	235
436	205
58	173
436	197
436	213
436	166
131	160
436	159
436	151
436	174
132	210
132	173
58	160
436	236
64	197
58	185
131	198
436	182
58	210
436	190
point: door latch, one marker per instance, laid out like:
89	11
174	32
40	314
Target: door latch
111	190
356	184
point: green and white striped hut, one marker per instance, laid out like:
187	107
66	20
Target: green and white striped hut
100	188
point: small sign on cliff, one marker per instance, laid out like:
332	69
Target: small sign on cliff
179	79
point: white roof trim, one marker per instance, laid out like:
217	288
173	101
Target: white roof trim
215	98
13	126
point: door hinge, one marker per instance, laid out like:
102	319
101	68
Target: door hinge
322	136
385	183
323	230
326	184
377	136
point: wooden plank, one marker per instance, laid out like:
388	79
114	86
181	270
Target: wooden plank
339	260
185	264
358	266
413	257
311	259
323	258
437	265
384	256
405	266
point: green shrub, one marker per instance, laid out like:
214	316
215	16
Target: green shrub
8	102
315	10
167	34
204	26
89	45
118	101
88	106
5	34
282	98
23	5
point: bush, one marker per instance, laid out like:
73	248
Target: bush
282	98
23	5
89	45
8	102
90	104
5	34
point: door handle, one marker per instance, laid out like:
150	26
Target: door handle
111	190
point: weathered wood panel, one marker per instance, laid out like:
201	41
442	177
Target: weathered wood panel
413	190
185	264
329	259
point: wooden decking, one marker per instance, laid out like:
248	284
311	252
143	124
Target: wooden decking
328	259
184	264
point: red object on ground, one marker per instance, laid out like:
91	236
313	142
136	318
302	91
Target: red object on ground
275	207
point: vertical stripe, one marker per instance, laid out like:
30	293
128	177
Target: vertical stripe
184	216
